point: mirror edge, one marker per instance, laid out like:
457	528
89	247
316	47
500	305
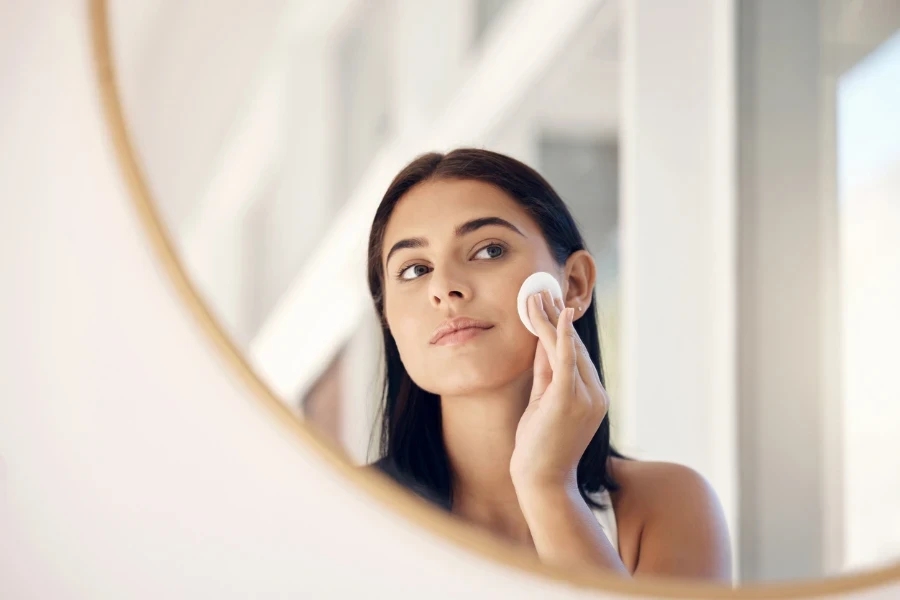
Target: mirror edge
400	502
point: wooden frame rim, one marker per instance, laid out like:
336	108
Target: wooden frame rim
384	491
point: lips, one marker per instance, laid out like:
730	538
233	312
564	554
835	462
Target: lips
458	324
461	336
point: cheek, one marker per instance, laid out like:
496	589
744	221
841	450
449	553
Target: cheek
506	357
407	329
400	314
521	346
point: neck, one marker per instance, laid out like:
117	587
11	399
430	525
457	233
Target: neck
479	435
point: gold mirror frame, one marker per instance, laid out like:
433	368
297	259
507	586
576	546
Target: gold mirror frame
384	491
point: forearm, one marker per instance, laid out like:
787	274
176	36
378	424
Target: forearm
565	531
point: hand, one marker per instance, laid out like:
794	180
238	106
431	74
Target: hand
567	402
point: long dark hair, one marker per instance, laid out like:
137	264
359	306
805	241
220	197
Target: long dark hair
412	447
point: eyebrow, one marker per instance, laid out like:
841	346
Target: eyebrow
461	230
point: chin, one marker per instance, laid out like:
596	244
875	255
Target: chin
472	374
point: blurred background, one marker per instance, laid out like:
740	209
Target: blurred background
733	164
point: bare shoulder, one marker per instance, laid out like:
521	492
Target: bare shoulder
676	517
660	485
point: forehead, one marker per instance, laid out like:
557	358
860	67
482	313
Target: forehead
435	208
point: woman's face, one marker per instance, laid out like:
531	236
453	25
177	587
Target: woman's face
461	248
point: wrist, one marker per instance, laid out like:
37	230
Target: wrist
545	490
545	504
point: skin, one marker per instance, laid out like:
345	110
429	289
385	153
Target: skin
518	411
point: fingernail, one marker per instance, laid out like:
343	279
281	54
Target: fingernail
538	301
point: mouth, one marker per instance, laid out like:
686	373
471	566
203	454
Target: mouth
458	330
460	336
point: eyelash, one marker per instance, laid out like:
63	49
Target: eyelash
399	273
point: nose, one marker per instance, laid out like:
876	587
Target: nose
447	287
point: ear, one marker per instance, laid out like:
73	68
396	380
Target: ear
580	277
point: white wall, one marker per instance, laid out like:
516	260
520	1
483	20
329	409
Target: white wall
784	212
678	240
869	181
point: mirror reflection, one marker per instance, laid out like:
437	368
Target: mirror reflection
700	383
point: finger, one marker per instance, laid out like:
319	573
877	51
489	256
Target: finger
545	331
550	307
586	369
543	373
587	372
583	357
560	305
566	355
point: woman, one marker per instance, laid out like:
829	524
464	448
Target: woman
504	429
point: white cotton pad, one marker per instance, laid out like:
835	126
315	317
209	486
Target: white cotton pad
535	283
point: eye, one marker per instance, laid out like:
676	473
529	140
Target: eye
498	251
419	270
494	251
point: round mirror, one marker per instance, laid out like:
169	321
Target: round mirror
358	190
